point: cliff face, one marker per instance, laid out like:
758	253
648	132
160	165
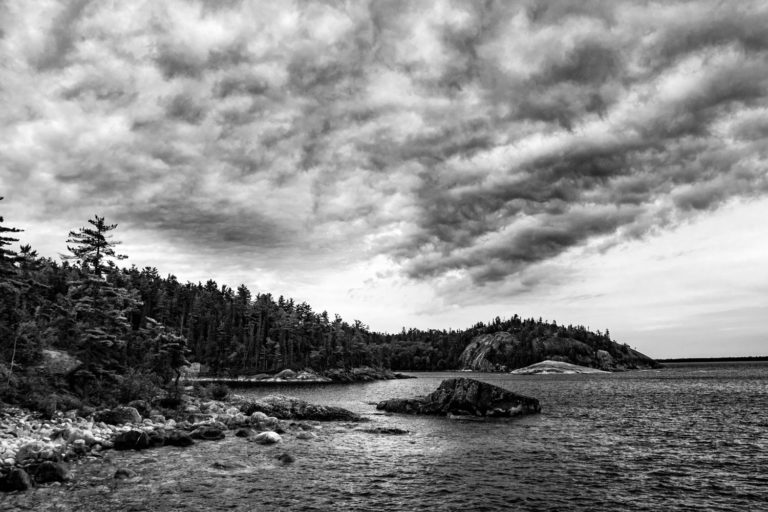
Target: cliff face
504	351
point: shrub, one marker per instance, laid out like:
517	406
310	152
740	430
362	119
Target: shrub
137	385
218	391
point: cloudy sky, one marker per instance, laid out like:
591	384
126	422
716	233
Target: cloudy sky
411	163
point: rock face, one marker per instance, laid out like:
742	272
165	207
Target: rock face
487	352
464	396
504	351
290	408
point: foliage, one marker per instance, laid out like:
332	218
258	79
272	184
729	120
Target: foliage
217	391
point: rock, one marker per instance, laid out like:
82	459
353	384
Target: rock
142	406
495	351
76	434
208	433
286	458
132	440
306	436
393	431
360	374
258	416
268	437
156	438
488	352
284	407
227	465
123	473
286	374
16	480
243	432
178	438
462	396
555	367
30	451
51	472
118	416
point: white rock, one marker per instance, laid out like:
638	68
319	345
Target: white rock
258	416
267	437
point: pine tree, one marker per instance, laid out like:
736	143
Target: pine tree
93	246
8	257
100	307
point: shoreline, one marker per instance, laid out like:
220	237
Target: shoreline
39	452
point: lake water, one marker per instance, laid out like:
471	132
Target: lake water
687	437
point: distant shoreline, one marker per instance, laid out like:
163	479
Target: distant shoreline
713	359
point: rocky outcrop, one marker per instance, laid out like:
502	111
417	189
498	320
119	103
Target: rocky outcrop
504	351
555	367
290	408
489	352
464	396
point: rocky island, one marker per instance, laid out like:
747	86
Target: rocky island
504	351
465	397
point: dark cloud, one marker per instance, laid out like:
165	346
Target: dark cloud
62	35
478	139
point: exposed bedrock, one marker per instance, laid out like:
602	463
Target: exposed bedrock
290	408
462	396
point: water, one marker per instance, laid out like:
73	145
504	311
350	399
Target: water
688	437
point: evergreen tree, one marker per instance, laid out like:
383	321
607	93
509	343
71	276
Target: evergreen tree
93	246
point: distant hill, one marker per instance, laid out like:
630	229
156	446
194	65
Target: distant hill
505	351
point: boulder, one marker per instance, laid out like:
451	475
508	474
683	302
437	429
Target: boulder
142	406
306	436
118	416
208	433
123	473
30	451
51	472
290	408
16	480
268	437
462	396
243	432
286	458
132	440
178	438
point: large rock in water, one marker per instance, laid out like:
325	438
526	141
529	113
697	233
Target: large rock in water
462	396
290	408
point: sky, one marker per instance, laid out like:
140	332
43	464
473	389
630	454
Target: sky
423	164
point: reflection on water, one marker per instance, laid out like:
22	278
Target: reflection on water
686	437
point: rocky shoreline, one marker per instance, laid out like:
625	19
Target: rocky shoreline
38	451
335	376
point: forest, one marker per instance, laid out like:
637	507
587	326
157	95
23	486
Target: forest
128	325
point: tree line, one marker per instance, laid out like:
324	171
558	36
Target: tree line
117	319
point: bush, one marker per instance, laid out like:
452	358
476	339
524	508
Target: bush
137	385
218	391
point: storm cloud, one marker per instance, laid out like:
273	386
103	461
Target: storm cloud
464	138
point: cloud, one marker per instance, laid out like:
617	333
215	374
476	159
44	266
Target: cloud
455	139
